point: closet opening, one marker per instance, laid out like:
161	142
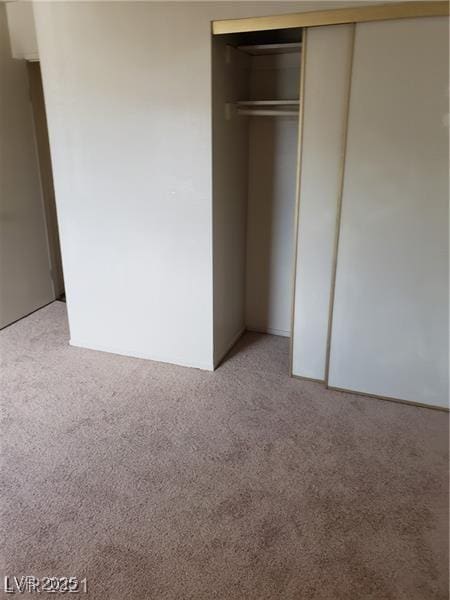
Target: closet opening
255	95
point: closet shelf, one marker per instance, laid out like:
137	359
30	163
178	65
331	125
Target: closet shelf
263	108
268	102
258	49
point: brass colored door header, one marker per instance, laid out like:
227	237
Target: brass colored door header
357	14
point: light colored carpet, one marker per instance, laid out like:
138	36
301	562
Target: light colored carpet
161	482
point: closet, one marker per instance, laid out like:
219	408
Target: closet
256	84
333	200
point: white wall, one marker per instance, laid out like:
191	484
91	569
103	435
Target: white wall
22	30
25	282
390	319
230	183
128	93
327	74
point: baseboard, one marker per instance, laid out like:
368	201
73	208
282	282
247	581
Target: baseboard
269	330
228	347
142	355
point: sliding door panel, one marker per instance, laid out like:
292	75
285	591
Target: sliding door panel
327	72
390	316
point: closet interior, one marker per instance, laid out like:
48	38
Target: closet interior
256	84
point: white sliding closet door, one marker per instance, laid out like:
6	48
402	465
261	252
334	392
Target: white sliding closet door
390	319
327	73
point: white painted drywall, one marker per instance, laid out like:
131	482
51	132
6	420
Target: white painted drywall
270	223
327	74
271	197
128	94
230	83
390	322
25	282
22	30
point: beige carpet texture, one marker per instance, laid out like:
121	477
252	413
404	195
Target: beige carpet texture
160	482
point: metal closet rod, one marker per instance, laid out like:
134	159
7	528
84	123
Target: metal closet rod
268	102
